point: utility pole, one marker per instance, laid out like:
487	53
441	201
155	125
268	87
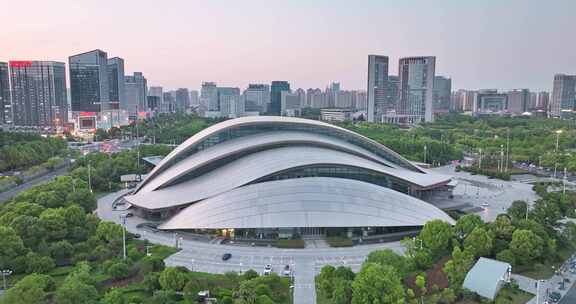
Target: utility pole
425	150
507	148
89	178
123	218
501	158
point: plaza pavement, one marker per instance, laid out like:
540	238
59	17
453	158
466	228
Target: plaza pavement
476	190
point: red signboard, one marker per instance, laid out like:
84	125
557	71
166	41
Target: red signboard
20	64
87	114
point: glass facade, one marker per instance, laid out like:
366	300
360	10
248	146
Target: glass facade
38	93
5	102
89	86
276	96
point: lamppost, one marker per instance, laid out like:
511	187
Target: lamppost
123	219
89	179
425	150
558	132
5	273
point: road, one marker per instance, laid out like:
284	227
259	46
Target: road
6	195
205	256
570	297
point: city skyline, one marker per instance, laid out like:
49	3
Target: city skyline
329	42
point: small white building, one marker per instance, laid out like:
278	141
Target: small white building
487	276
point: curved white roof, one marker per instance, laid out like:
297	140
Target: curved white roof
307	202
254	142
266	120
260	164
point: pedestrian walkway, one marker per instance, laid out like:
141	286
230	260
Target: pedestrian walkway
546	287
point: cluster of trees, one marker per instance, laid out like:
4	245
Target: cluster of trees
174	283
106	169
23	150
169	128
530	139
524	238
490	173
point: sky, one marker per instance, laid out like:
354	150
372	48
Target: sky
502	44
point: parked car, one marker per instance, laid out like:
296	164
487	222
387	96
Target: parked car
555	297
226	256
267	269
287	271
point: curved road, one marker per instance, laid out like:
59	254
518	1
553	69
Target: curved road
6	195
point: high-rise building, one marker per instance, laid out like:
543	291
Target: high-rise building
89	83
518	101
490	101
158	92
442	94
194	98
5	101
182	100
316	99
209	96
39	93
276	96
361	100
290	103
257	98
543	100
230	101
117	93
377	79
416	89
169	99
563	94
116	82
136	87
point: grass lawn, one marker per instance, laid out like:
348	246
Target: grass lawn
545	271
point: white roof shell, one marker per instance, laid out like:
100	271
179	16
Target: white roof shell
307	202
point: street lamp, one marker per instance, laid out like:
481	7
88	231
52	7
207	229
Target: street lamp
123	219
558	132
5	273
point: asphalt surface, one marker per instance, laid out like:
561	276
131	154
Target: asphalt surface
6	195
570	297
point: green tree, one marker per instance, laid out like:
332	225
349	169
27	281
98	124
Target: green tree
245	294
342	293
83	198
479	242
30	229
436	235
36	263
249	274
503	227
54	222
151	282
466	224
421	284
506	256
118	270
11	247
32	289
377	284
457	268
73	292
526	246
172	279
114	296
391	258
448	296
61	250
324	280
518	210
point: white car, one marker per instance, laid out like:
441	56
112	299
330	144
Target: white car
485	204
286	271
267	269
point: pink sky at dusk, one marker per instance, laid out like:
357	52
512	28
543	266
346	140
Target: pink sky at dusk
480	44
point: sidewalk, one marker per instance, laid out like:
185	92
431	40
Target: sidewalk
548	286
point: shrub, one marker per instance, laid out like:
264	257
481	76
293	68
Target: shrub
336	241
290	244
